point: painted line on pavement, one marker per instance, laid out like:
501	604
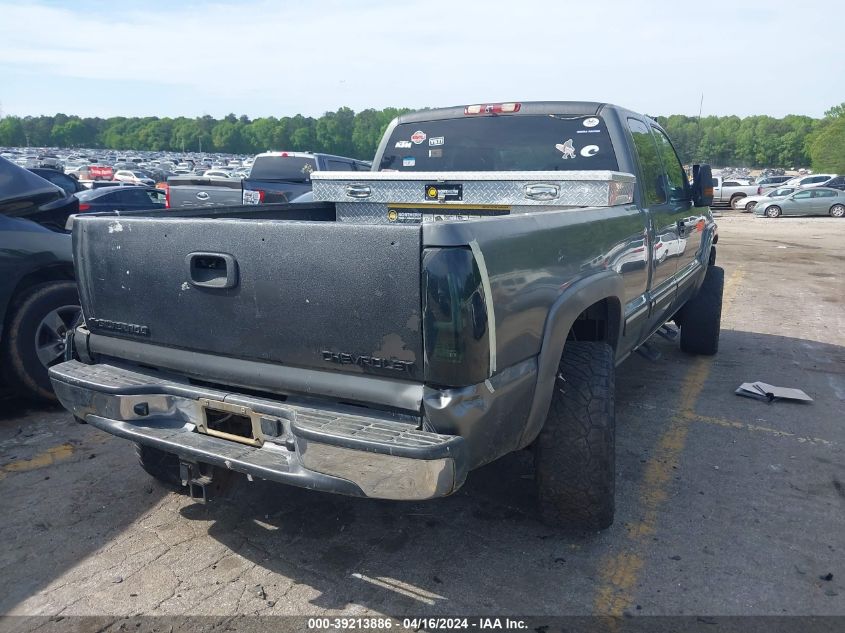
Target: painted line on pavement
41	460
619	573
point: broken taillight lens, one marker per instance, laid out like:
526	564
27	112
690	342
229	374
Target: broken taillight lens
455	320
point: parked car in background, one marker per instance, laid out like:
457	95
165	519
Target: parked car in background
812	201
104	184
816	180
836	183
121	199
769	182
730	192
201	191
216	173
138	177
69	184
748	203
38	298
283	176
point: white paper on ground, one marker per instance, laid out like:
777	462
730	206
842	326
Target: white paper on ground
764	391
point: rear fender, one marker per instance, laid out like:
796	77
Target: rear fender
574	300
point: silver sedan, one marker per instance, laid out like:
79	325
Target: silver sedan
814	201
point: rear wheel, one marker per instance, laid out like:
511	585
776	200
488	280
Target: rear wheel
750	206
701	318
773	211
735	202
161	465
574	454
35	338
838	211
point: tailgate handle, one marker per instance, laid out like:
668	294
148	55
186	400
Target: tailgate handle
358	191
212	270
541	192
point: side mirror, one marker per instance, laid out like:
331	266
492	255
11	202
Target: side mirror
702	185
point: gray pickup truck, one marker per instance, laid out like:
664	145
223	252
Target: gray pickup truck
469	297
731	192
274	177
203	191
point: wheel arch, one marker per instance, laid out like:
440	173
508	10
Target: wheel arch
590	309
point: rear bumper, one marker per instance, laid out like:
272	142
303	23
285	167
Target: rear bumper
334	450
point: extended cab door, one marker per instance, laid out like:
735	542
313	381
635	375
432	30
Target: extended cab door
662	228
689	221
675	229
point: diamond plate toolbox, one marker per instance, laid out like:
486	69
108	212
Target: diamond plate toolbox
365	196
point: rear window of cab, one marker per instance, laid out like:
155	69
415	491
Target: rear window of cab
501	143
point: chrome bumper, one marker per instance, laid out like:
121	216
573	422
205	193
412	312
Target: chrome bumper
330	449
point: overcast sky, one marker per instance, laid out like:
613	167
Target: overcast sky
260	58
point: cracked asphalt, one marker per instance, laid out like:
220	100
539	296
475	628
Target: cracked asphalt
726	505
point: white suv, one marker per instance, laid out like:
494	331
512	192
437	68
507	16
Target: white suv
816	180
137	177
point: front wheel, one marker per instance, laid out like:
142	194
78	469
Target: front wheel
838	211
701	318
574	455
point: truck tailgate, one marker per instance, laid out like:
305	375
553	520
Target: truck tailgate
318	295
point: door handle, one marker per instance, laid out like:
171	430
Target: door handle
212	270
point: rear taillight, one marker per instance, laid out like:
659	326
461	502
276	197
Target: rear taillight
456	332
493	108
759	191
166	189
84	206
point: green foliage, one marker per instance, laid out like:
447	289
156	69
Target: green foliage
827	148
835	112
755	141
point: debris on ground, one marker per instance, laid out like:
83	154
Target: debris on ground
763	391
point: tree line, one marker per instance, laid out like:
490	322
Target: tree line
726	141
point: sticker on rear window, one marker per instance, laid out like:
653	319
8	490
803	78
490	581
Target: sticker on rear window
435	153
435	141
403	144
589	150
591	122
418	137
409	161
567	149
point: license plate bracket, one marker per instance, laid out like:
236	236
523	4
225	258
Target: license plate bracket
229	421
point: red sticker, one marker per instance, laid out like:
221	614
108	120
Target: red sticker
418	137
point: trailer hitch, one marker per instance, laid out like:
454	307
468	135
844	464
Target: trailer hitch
198	483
